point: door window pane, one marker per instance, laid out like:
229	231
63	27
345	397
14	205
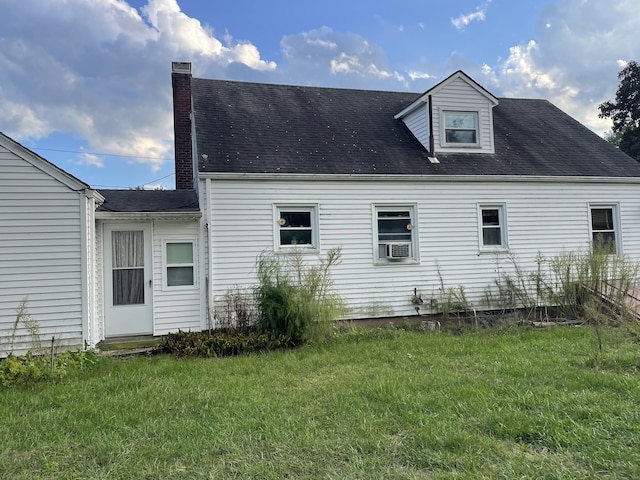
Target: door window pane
127	254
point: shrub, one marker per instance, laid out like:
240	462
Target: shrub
236	309
293	297
31	368
221	343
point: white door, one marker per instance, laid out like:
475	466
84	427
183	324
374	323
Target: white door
127	280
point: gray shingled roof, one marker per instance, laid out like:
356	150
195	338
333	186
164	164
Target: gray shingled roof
264	128
149	201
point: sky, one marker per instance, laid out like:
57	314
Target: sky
86	84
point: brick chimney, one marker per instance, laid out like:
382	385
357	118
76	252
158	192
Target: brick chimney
183	145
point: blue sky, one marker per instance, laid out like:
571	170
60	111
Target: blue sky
87	85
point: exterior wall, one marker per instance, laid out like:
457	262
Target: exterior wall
173	309
542	217
176	309
418	122
458	95
41	255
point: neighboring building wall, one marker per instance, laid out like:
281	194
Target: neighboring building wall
41	256
544	217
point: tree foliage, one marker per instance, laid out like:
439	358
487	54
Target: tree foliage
625	111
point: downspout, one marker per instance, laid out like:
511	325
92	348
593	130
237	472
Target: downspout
85	271
432	142
209	279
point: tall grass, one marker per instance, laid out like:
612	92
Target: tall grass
568	282
296	298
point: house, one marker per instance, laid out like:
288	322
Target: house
421	192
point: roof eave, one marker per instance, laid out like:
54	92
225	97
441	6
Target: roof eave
422	178
175	216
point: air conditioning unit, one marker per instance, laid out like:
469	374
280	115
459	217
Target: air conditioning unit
398	250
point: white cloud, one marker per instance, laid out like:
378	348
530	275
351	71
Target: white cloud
575	59
347	56
461	21
100	70
91	159
415	75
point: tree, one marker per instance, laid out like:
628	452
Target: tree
625	111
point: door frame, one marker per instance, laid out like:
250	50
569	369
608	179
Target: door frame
127	327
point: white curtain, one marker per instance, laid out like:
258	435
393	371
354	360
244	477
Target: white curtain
127	253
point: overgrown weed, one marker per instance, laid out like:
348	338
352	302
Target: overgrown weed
296	299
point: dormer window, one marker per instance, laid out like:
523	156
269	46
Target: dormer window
460	129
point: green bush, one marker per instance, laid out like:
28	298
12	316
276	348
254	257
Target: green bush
221	343
293	296
31	368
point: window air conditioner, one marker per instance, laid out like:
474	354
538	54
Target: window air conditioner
398	250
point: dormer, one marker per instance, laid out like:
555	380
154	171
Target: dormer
455	116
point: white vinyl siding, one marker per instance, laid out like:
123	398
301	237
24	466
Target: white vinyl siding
178	307
545	217
455	96
459	96
41	254
418	123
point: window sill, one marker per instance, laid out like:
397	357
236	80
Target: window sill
404	261
302	250
487	250
179	288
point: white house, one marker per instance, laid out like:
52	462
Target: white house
419	191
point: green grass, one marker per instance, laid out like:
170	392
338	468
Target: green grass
374	404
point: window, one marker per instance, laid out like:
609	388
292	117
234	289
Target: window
460	128
296	226
604	221
396	233
179	264
127	258
493	227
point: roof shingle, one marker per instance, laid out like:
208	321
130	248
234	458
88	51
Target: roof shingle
264	128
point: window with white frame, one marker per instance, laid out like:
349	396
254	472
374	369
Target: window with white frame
493	227
460	129
179	264
604	226
395	233
296	226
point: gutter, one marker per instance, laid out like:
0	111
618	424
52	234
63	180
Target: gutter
179	216
354	177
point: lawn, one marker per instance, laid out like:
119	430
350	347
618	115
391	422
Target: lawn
375	404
